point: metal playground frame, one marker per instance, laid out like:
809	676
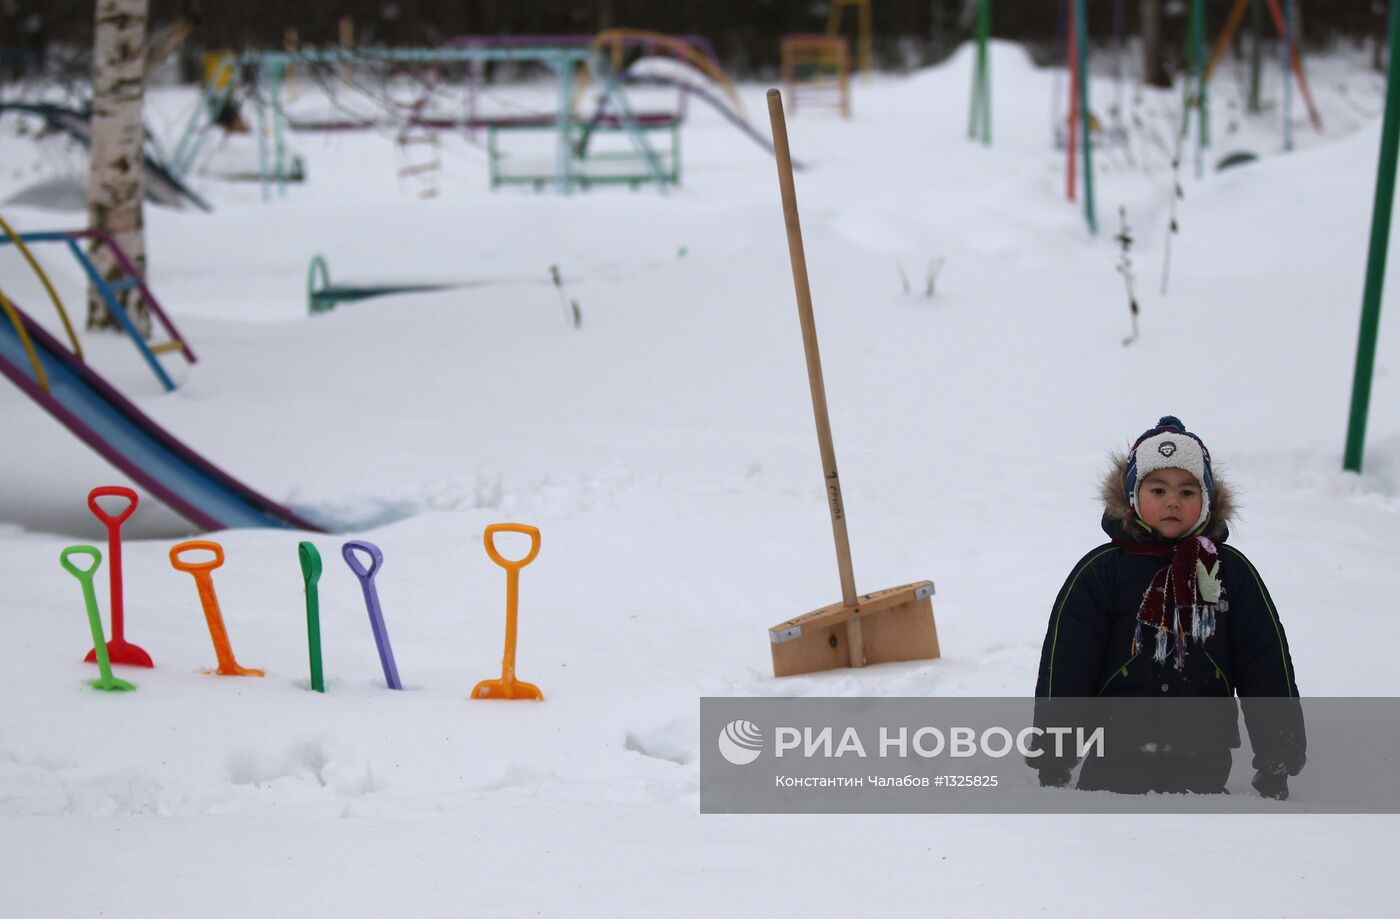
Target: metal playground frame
270	69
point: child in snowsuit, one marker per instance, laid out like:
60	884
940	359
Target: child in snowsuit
1166	610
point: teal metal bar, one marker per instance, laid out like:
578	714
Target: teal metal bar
1375	260
1202	99
493	156
1081	27
537	53
133	277
676	152
563	60
211	102
1191	83
110	298
261	95
279	128
980	115
563	178
613	89
984	27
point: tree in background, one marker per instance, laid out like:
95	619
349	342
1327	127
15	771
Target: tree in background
114	178
1154	71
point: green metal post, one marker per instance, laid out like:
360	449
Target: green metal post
279	119
211	101
675	176
1193	86
612	88
563	178
1190	68
980	115
1375	261
984	27
1287	54
974	106
260	102
1202	95
1081	28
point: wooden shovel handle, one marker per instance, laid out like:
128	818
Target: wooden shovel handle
809	344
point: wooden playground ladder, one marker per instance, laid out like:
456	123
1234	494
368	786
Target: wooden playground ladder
420	152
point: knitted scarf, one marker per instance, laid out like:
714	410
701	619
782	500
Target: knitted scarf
1183	597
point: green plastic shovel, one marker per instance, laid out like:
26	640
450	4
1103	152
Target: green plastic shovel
104	665
311	574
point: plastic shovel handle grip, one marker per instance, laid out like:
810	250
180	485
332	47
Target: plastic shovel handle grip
347	551
489	538
310	562
195	545
117	491
80	573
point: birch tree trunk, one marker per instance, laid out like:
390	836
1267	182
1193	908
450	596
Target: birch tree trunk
114	180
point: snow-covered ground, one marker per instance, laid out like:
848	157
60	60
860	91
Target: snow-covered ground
665	450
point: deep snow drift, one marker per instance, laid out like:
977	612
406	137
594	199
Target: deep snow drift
665	450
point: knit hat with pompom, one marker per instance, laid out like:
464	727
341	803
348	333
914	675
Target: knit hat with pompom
1170	446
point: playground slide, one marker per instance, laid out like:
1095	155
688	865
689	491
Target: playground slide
695	86
89	407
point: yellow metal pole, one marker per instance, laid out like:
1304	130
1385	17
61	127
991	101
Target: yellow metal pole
23	334
44	279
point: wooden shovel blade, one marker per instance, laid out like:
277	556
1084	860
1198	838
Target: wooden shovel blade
895	625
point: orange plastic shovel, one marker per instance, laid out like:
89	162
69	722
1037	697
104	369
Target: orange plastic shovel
204	580
508	687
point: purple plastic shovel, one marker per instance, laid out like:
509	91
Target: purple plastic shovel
376	615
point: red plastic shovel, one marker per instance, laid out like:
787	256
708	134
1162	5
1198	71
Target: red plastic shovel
119	650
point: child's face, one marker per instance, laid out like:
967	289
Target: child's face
1169	501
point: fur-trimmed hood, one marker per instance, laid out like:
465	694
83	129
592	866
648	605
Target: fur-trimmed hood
1119	518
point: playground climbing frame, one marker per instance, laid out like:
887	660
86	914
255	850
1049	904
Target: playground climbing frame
270	69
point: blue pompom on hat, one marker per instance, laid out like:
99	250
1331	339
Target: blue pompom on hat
1170	446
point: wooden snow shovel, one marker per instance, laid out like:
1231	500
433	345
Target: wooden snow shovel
889	625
